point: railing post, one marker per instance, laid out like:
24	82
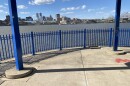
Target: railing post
60	39
110	39
84	38
32	41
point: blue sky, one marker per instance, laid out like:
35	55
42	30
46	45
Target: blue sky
70	8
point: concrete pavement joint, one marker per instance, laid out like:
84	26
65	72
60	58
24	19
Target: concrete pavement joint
84	71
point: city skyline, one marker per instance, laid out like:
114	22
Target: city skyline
83	9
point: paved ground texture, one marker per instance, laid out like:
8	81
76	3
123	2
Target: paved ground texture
74	67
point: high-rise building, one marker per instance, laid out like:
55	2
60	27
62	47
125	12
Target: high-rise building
58	18
40	14
51	18
39	17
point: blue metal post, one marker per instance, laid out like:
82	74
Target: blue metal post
84	38
16	34
117	24
60	39
32	41
110	39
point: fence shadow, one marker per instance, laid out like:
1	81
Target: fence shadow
36	58
48	55
84	69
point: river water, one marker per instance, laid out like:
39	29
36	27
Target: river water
41	28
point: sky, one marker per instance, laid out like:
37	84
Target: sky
83	9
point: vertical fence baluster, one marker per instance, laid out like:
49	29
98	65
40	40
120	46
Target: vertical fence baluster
68	38
98	38
120	34
74	39
49	39
53	40
32	41
110	38
40	41
37	42
22	40
127	38
1	50
57	39
45	37
88	36
124	37
60	39
5	47
84	38
63	39
29	41
8	46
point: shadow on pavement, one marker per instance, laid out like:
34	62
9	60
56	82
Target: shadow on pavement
48	55
33	59
84	69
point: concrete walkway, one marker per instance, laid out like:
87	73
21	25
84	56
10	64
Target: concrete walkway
88	67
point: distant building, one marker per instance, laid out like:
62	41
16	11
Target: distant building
58	19
65	20
39	17
1	22
51	18
7	20
29	18
76	21
44	18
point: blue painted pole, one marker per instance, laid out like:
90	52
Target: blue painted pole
117	24
84	38
16	34
32	41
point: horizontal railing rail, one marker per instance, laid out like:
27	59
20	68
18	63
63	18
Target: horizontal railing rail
34	42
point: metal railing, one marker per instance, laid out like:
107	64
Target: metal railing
42	41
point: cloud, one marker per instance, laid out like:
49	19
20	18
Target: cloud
66	13
4	12
1	6
99	12
83	7
113	11
1	11
6	4
103	8
22	7
90	10
73	8
40	2
65	0
24	12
